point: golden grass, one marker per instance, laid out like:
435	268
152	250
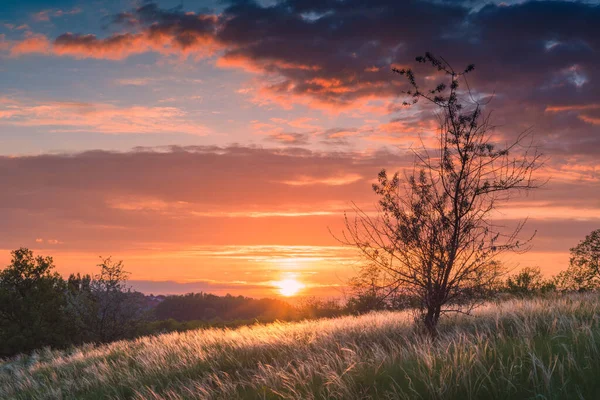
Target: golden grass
515	349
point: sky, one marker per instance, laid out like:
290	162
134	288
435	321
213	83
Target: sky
215	145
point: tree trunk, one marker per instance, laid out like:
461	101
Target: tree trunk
431	320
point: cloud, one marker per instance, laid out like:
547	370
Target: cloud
164	32
116	47
33	43
218	195
45	15
294	138
48	241
98	117
588	113
181	194
338	55
14	27
135	81
344	179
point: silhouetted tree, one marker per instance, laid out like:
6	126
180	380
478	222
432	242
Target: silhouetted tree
583	272
32	304
433	236
76	283
104	307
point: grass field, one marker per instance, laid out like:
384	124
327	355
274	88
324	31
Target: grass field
518	349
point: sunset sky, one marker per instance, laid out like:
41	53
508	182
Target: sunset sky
215	145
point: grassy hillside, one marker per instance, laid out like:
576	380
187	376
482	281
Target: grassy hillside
519	349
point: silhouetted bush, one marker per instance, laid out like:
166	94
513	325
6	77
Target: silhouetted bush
528	282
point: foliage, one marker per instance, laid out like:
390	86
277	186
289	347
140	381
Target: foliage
39	308
104	308
583	273
433	239
528	282
312	307
544	348
32	304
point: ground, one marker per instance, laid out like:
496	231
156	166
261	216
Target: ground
546	348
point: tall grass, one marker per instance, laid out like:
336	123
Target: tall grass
518	349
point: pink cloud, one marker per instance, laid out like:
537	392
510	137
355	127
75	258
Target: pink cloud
590	120
100	117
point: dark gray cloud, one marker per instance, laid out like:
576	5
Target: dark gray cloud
533	55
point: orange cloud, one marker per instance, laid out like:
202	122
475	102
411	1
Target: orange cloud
233	60
167	41
116	47
305	85
576	107
34	43
581	108
283	94
590	120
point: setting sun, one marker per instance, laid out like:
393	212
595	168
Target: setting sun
289	287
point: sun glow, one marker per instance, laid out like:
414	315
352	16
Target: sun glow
289	287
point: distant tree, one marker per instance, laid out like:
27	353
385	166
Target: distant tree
369	291
206	306
32	304
433	235
583	273
105	307
312	307
529	281
76	283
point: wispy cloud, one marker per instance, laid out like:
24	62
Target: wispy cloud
99	117
46	15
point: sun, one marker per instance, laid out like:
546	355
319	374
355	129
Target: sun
289	287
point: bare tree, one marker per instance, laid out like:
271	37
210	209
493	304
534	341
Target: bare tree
432	237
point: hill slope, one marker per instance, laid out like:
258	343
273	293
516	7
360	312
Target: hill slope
548	348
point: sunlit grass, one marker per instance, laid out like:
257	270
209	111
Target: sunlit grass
541	348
